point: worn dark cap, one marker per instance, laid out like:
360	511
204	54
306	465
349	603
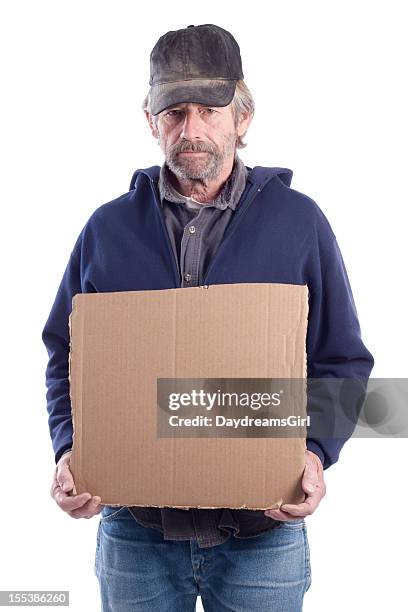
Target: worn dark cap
198	64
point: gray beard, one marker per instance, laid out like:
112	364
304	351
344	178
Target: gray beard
199	170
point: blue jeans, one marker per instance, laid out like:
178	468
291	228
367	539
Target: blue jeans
138	570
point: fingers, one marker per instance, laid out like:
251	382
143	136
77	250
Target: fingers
315	488
311	476
310	504
280	515
88	510
289	512
77	506
69	502
303	509
64	475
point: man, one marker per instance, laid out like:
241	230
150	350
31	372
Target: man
205	218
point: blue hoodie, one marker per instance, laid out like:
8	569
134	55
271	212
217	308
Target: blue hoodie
277	235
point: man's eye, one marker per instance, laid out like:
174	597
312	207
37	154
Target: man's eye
210	111
172	113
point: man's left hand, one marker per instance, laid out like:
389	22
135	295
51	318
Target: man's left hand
313	485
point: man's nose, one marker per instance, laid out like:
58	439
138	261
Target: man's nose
192	126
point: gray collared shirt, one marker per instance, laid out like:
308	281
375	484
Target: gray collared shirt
196	230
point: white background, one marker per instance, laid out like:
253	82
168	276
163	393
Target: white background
329	81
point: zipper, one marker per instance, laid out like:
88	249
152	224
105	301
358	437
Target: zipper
244	205
250	196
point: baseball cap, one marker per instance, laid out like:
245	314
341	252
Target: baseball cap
198	64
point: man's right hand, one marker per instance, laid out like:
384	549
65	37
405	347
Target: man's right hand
77	506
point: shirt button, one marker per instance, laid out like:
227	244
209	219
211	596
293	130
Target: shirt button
192	229
187	276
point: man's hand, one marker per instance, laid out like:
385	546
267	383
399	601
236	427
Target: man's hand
77	506
313	485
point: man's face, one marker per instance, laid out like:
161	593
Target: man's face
198	141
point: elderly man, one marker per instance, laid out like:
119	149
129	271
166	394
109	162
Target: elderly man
204	217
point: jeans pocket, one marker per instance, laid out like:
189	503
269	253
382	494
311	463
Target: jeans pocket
109	513
295	524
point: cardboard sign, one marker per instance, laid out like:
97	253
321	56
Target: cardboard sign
122	343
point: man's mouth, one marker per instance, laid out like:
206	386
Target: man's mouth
193	152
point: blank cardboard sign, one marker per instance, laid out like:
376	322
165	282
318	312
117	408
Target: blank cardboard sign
121	343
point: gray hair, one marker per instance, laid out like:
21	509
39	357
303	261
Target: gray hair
241	102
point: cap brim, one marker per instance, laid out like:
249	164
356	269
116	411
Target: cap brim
212	92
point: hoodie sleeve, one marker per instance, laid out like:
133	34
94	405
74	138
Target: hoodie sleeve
334	347
55	336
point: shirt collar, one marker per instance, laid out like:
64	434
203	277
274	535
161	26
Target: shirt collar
229	195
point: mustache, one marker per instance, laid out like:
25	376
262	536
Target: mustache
189	146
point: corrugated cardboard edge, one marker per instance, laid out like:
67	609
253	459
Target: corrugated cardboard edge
76	456
243	507
306	306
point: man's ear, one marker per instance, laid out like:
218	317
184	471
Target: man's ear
244	123
152	124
